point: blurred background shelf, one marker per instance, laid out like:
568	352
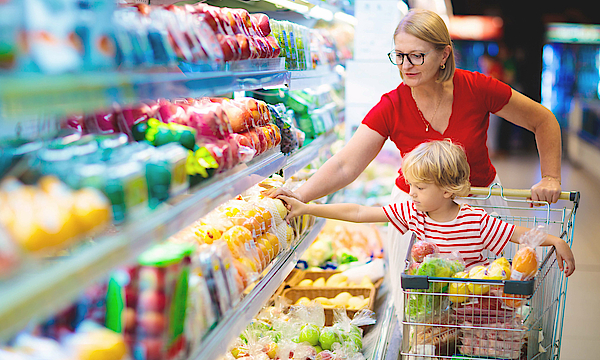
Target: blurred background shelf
236	320
301	159
314	78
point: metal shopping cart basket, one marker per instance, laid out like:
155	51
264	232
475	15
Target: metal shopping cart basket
463	318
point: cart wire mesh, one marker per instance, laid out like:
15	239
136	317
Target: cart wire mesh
463	318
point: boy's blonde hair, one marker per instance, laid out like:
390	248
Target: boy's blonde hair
439	162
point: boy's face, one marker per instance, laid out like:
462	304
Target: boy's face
428	196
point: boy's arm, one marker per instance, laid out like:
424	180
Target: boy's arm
563	251
346	212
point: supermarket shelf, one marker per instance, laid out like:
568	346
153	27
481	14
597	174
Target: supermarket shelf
40	291
313	78
29	95
302	158
236	320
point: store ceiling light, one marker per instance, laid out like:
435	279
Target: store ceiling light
342	16
303	9
318	12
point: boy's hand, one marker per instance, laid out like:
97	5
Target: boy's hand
564	253
294	206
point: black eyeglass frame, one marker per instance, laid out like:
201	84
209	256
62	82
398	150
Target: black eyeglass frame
395	53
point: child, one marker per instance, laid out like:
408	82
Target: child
437	172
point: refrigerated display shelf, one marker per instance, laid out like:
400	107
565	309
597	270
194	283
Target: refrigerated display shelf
237	318
323	75
38	291
29	95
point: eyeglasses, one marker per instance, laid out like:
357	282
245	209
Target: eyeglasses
397	58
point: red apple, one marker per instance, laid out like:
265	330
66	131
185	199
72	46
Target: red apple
423	248
244	46
274	45
131	297
75	122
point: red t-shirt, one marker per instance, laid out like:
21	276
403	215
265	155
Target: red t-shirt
475	96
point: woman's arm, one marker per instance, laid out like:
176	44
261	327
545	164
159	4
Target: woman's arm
563	251
343	168
534	117
346	212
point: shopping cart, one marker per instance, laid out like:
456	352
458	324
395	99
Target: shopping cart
493	319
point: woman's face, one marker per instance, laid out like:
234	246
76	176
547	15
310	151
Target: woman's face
415	75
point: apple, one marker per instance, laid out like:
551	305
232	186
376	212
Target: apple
328	337
423	248
135	114
151	300
106	122
75	122
129	322
152	323
131	297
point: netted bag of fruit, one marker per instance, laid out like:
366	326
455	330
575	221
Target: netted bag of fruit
525	261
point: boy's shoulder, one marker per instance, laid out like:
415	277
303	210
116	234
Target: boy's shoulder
471	210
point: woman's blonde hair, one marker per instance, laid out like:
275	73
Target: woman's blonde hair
429	26
440	162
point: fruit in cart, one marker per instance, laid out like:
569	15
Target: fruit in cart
423	248
459	291
309	333
524	264
478	272
328	337
497	271
512	300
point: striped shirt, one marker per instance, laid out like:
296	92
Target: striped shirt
470	233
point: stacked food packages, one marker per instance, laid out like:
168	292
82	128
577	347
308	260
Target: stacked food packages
98	35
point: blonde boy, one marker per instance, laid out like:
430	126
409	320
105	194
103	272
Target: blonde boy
437	172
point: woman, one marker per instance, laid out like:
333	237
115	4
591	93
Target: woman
437	101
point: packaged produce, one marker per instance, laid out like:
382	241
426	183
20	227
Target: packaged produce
525	262
422	248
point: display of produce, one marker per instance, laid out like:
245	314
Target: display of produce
340	245
44	218
300	332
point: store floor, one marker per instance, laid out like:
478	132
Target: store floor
581	329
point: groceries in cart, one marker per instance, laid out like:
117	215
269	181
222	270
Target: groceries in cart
481	311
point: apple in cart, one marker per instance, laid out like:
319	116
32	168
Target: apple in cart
152	323
423	248
152	300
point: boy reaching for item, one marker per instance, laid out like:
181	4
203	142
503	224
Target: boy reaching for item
437	172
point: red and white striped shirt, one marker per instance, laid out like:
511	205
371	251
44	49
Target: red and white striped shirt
470	233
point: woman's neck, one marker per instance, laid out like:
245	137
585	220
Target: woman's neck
446	212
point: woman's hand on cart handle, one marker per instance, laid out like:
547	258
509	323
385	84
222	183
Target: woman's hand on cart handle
526	193
548	189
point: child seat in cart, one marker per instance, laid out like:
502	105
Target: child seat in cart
451	317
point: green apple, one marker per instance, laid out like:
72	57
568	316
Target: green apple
328	337
310	333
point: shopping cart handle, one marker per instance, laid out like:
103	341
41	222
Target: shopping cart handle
526	193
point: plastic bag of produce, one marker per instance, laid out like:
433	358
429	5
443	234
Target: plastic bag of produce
525	261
